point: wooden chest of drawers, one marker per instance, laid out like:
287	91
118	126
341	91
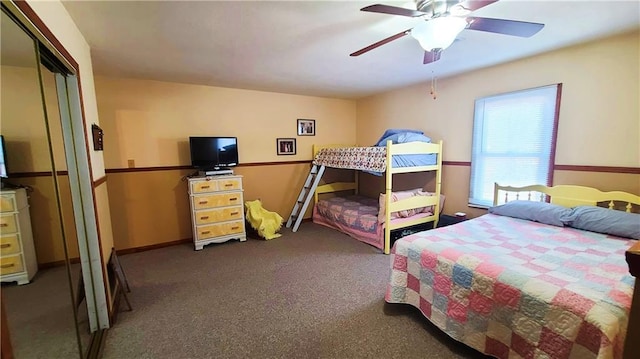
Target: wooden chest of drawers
18	261
217	209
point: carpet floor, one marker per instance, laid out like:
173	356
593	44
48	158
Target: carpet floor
316	293
40	316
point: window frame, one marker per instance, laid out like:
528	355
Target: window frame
473	202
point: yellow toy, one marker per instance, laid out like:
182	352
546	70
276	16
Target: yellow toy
267	223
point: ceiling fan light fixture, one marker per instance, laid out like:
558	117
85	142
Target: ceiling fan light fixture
459	10
438	33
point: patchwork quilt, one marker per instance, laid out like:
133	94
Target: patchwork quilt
512	288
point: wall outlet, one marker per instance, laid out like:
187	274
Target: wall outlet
131	163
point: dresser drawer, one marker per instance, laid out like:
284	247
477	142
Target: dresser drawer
204	186
217	200
10	265
218	215
8	224
216	185
9	244
220	229
7	203
229	184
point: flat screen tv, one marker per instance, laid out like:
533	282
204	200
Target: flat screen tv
3	159
209	153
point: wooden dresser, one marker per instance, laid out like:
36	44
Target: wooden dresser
217	209
18	261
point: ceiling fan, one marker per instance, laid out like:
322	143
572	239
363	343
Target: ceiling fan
444	20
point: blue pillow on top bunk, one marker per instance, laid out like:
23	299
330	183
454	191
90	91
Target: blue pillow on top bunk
404	138
395	131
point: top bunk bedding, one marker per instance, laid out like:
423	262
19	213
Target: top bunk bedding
374	159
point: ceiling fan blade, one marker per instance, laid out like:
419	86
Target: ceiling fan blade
431	56
471	5
393	10
502	26
380	43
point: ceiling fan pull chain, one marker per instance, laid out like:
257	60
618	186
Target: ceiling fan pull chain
433	85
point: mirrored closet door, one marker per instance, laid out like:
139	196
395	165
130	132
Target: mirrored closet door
49	312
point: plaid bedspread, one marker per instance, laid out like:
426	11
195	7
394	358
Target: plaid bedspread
356	158
518	289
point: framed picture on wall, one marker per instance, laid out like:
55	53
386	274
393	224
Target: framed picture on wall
306	127
286	146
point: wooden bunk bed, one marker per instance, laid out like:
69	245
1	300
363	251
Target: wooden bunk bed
400	210
513	283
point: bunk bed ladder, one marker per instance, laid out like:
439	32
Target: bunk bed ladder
305	196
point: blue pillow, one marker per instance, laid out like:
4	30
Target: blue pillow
604	220
403	138
394	131
542	212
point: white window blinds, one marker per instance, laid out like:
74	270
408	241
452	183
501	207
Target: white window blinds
514	138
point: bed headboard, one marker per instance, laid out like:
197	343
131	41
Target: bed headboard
564	195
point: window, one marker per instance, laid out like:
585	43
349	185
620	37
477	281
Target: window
514	138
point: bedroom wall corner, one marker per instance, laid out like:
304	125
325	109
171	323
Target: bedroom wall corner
595	76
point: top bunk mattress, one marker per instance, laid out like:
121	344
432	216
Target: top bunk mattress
371	159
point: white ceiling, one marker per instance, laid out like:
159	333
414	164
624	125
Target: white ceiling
303	47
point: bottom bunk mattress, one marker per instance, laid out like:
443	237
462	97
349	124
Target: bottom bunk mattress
356	216
512	288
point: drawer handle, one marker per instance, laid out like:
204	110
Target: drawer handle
5	245
8	265
4	225
205	232
235	227
203	202
204	217
233	199
205	187
234	213
228	184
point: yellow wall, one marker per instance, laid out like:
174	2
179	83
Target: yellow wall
104	220
150	122
25	131
22	120
152	207
599	114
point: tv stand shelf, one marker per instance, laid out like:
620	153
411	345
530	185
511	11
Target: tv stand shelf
217	209
215	172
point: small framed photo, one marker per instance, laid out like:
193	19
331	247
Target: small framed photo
286	146
306	127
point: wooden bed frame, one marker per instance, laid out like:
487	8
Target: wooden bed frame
569	196
405	204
